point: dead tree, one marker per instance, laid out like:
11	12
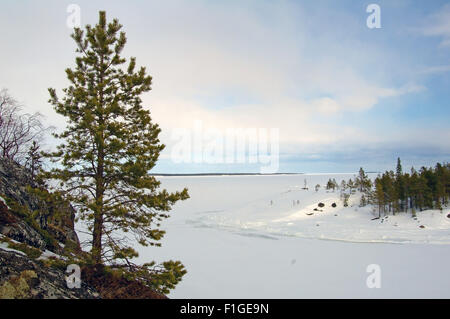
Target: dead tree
17	129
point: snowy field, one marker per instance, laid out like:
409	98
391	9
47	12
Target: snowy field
260	237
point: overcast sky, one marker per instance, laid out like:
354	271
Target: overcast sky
342	95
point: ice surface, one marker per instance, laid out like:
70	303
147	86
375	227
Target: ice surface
246	237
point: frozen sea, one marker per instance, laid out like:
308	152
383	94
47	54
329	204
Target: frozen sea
259	237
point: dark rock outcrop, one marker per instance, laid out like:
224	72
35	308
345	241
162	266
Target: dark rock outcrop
33	221
56	220
21	277
17	229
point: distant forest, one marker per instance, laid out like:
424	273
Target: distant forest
397	191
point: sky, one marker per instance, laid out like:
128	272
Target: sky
340	94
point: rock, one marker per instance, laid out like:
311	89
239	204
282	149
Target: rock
321	205
19	287
34	231
18	230
422	226
21	277
39	223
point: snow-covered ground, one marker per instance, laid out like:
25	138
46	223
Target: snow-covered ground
294	211
255	237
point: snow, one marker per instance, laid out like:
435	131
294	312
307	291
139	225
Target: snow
281	215
4	202
5	246
246	237
48	254
45	254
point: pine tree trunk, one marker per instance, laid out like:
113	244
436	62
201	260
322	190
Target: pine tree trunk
98	214
97	239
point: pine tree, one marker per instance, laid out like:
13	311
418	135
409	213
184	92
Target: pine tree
364	185
345	199
331	184
442	179
109	147
414	190
363	201
390	195
359	181
407	190
335	184
400	185
399	170
33	160
429	183
351	185
379	195
343	185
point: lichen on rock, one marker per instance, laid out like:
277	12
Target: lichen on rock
19	286
21	277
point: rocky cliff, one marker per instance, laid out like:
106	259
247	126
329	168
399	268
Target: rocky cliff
28	218
23	277
38	241
34	234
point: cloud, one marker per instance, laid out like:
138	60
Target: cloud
435	69
326	105
276	64
438	25
290	75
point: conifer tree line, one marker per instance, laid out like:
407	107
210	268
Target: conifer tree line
398	191
428	188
